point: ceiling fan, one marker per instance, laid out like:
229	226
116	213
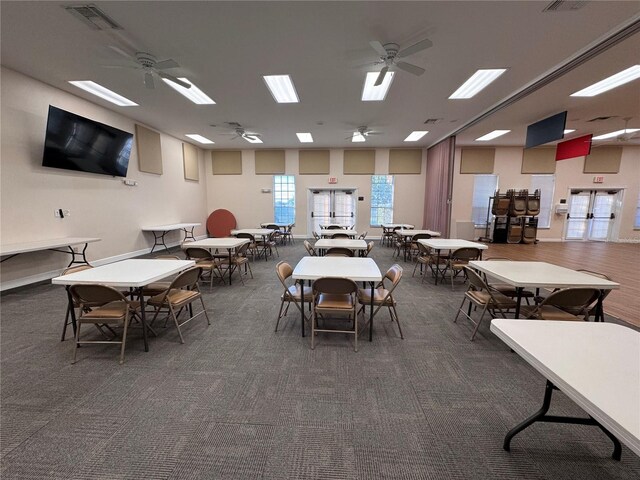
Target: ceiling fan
626	134
363	132
390	53
150	66
241	132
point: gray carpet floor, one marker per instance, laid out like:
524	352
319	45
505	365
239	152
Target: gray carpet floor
239	401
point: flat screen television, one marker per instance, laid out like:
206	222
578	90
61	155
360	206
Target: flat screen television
547	130
77	143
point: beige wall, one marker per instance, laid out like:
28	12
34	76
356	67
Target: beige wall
568	175
241	194
100	206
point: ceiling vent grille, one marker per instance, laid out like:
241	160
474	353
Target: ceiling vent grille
431	121
599	119
564	6
92	16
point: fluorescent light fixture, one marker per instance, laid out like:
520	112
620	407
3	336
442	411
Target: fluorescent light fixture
102	92
568	131
415	136
608	83
305	137
194	93
252	139
357	137
477	82
199	138
281	88
616	133
492	135
371	93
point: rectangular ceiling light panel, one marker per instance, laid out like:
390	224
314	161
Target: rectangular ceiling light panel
616	133
357	137
305	137
492	135
568	131
281	88
252	139
477	82
415	136
609	83
371	93
194	93
199	138
102	92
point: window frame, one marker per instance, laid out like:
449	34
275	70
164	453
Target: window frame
279	194
386	208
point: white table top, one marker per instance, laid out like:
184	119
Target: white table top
167	228
327	232
395	225
540	274
127	273
341	242
411	233
595	364
450	243
254	231
356	269
225	242
23	247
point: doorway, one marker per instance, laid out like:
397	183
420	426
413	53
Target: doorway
327	206
592	215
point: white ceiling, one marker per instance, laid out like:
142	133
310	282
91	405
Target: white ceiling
225	48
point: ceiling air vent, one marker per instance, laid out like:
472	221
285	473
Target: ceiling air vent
564	6
599	119
92	16
431	121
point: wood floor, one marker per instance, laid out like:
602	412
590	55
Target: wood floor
620	261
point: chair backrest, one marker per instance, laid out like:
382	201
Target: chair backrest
498	259
334	285
476	282
167	257
246	235
466	254
599	275
309	248
77	268
423	250
197	253
394	275
340	235
362	236
574	298
284	271
273	226
315	235
347	252
334	227
419	236
95	295
369	248
187	279
241	251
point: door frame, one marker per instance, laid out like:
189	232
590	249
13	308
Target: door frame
310	194
614	233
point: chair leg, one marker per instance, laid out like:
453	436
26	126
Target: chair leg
75	343
204	309
280	314
247	264
460	309
124	338
475	330
175	320
395	317
314	320
355	326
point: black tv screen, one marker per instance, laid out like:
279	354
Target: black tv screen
547	130
77	143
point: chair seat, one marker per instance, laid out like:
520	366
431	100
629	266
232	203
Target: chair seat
484	298
155	288
177	297
379	294
510	291
549	312
293	292
112	310
334	301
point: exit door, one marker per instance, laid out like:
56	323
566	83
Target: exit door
592	214
332	207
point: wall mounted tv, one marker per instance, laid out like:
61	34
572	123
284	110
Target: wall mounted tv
77	143
547	130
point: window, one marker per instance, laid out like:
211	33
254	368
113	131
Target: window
484	187
546	185
636	223
381	199
284	199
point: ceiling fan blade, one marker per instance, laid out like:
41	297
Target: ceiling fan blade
380	78
415	48
408	67
377	46
148	81
372	133
164	64
122	52
124	65
173	79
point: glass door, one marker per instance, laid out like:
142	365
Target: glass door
332	207
591	215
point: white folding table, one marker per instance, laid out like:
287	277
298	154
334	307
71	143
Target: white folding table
597	365
132	273
538	275
10	250
439	244
356	269
326	243
159	231
329	232
227	243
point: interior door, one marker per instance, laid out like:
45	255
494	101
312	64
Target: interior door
332	206
577	215
591	215
602	215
